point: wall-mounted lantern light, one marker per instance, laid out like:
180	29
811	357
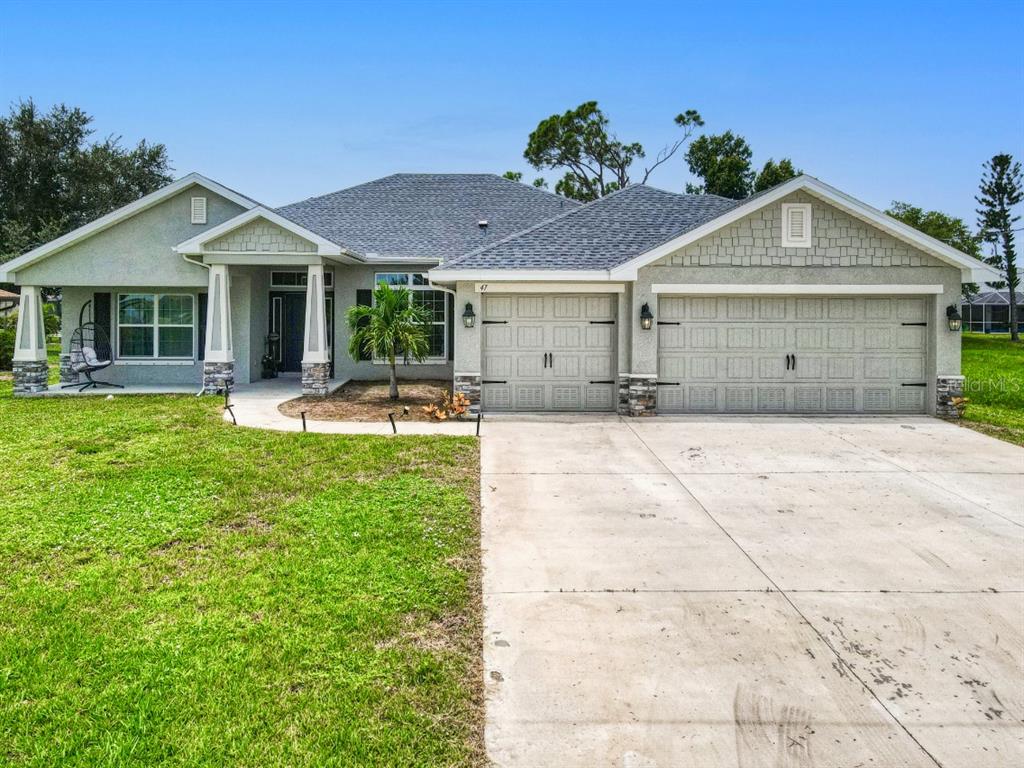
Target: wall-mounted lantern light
953	318
468	316
646	318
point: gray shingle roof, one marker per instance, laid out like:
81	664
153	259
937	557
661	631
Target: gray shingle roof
425	215
601	234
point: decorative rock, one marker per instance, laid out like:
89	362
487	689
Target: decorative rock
217	377
68	375
947	388
30	376
315	377
638	395
468	385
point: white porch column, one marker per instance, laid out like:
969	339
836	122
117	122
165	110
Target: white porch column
316	356
219	362
30	369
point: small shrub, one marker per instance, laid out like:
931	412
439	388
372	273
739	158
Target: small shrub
7	331
450	406
960	403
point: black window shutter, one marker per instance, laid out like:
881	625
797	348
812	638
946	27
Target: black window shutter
201	303
101	312
450	330
364	298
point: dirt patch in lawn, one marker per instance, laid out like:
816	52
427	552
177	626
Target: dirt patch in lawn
368	401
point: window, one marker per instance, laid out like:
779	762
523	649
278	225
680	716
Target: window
796	225
156	325
283	279
435	302
198	210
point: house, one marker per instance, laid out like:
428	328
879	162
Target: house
798	300
8	303
989	311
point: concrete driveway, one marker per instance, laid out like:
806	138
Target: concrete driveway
752	592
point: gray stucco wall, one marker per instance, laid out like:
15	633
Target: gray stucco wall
136	251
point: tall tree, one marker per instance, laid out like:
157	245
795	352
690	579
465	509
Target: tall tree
774	174
539	182
722	163
949	229
53	178
394	326
595	161
1000	190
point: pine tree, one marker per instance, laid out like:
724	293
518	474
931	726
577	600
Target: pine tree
1000	190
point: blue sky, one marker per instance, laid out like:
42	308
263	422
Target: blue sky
286	100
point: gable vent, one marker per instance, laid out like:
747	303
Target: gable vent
796	225
198	210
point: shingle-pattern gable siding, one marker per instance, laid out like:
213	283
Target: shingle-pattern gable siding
600	235
261	235
429	215
838	240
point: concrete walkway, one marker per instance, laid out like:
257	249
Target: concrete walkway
256	405
739	591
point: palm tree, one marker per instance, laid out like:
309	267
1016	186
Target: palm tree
393	326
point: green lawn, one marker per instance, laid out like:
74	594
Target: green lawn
994	367
177	591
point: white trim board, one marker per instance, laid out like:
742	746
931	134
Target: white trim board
125	212
535	275
971	269
793	289
549	288
194	245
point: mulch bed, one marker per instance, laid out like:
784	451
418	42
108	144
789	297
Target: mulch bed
368	401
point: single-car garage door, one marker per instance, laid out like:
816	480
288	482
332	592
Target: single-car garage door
791	354
547	352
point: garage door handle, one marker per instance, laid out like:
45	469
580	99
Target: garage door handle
787	362
667	322
666	383
602	322
493	381
495	322
607	381
921	384
914	324
794	362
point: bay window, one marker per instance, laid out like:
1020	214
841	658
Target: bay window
434	301
155	325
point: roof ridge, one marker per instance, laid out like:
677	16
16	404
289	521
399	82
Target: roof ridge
538	225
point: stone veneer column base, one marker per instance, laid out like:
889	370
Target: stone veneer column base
315	377
217	377
468	385
638	395
68	375
946	389
30	376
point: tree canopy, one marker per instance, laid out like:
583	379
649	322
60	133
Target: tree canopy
723	163
949	229
773	174
595	161
54	178
1001	189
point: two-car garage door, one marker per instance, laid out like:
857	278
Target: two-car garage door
548	352
791	354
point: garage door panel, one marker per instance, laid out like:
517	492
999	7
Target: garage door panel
739	368
877	338
565	366
528	397
529	337
599	397
565	336
566	307
597	367
498	307
529	307
598	336
599	308
773	337
806	354
498	337
496	397
527	367
771	367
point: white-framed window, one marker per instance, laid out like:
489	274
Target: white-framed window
796	225
156	325
198	210
435	302
291	278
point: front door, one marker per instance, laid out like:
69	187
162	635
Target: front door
288	321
